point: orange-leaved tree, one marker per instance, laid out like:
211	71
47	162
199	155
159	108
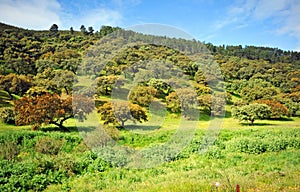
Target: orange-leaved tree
277	109
51	109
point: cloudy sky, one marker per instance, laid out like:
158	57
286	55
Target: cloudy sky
274	23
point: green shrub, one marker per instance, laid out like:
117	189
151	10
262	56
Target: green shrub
28	176
48	145
214	152
9	150
7	115
265	143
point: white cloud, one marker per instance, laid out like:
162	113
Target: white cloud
122	3
291	24
266	8
31	14
284	14
101	16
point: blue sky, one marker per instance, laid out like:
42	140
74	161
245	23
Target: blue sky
274	23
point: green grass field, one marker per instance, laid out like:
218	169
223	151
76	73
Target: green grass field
263	157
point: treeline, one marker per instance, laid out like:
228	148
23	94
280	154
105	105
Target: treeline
272	55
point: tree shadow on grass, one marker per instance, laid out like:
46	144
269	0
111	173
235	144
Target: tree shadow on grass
282	119
227	114
257	124
141	127
72	129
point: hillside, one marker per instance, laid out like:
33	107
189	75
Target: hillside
116	110
4	26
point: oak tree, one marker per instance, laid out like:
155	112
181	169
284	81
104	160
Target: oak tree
51	109
15	84
251	112
119	112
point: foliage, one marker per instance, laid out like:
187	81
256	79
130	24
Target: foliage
9	150
54	28
48	145
7	115
251	112
43	82
277	109
14	84
258	89
50	109
182	100
105	84
142	95
173	103
163	88
253	157
119	112
65	80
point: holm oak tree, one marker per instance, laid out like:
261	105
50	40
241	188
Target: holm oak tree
51	109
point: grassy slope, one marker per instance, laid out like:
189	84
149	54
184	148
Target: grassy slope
271	171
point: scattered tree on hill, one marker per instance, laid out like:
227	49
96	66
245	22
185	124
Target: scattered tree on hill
90	30
15	84
251	112
71	30
142	95
277	109
258	89
105	84
105	30
213	103
65	80
182	100
45	81
121	111
51	109
83	30
173	103
54	28
163	88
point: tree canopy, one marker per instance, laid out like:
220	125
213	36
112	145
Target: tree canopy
251	112
51	109
121	111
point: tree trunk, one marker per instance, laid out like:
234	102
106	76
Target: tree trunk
66	90
251	122
63	128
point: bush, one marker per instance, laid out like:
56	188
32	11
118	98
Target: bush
7	115
48	145
264	143
214	152
9	150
